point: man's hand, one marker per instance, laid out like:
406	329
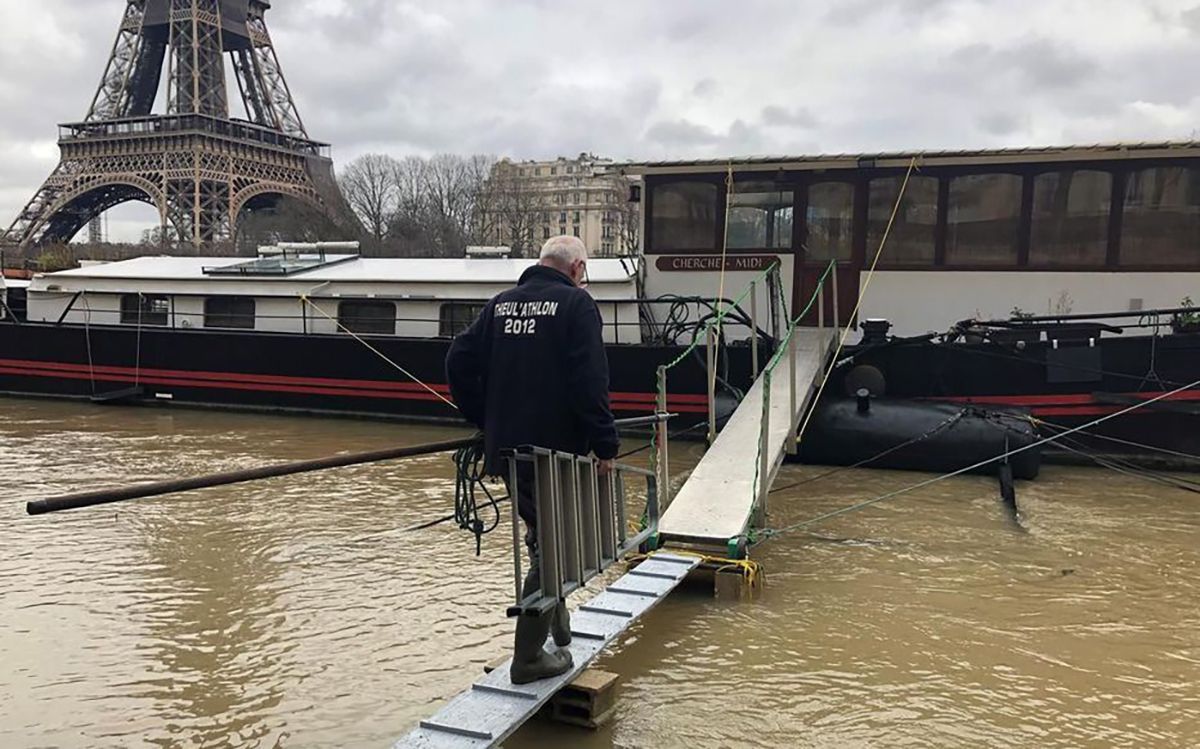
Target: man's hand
604	467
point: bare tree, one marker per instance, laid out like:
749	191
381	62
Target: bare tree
515	205
369	185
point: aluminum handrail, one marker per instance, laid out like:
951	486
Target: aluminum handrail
582	526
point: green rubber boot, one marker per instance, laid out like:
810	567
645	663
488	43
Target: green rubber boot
560	625
531	661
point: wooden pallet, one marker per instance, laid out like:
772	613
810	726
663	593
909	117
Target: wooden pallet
587	701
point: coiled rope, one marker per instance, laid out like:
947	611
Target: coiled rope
470	478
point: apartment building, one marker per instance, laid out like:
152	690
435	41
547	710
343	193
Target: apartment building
537	200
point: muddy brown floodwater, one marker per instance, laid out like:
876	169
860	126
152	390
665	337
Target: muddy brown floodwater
293	612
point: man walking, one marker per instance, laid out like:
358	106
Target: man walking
532	371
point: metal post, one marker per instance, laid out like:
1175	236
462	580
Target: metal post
754	329
764	481
518	581
711	364
619	504
589	504
549	524
836	314
821	307
608	513
793	417
664	473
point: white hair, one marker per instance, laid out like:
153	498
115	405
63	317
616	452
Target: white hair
562	251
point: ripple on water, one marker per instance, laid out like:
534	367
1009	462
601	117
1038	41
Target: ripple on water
295	611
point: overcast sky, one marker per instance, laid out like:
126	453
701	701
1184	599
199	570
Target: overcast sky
658	78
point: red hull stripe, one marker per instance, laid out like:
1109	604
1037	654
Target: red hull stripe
1070	404
1070	399
684	403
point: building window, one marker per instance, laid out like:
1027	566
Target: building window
570	170
553	171
562	217
830	217
455	317
1070	218
576	229
760	215
911	240
142	309
368	317
577	217
545	232
229	312
983	222
1161	224
684	216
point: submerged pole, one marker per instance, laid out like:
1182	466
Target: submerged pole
157	488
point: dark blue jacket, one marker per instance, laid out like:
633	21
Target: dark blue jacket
532	370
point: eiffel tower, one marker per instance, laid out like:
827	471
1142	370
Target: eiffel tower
197	165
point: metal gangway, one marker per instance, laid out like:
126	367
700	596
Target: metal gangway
726	494
583	528
584	520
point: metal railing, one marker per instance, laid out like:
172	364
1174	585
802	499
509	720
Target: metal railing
710	333
582	521
632	328
787	349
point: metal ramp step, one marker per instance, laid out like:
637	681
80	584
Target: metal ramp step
493	707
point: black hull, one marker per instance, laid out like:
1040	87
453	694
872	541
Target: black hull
300	373
337	375
1069	385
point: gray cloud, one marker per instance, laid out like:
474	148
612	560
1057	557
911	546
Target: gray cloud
535	78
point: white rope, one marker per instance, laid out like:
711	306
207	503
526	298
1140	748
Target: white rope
87	337
304	298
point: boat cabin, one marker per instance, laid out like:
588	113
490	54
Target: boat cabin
311	292
988	234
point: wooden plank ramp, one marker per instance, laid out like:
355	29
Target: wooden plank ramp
716	503
493	708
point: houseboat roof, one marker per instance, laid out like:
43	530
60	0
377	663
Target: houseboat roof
342	268
901	159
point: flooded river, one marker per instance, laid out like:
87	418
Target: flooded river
293	612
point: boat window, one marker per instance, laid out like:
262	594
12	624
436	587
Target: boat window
368	317
1070	218
229	312
983	221
684	216
1161	224
144	309
830	217
760	216
911	240
455	317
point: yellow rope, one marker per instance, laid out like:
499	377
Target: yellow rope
858	302
752	571
304	298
